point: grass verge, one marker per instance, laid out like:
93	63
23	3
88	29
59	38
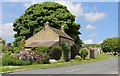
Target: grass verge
43	66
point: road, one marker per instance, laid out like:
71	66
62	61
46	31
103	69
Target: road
101	67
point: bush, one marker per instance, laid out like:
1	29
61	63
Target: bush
13	61
74	51
42	58
45	61
83	53
16	49
8	60
77	57
60	61
34	57
26	62
42	49
55	52
65	52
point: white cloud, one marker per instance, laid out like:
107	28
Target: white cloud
27	4
94	16
99	42
92	34
76	9
7	30
90	41
90	27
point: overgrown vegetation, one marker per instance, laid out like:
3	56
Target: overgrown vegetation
61	63
8	60
55	52
42	49
65	52
74	51
111	45
83	53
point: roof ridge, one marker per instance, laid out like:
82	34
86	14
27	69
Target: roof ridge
63	34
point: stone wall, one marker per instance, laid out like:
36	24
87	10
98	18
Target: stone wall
66	41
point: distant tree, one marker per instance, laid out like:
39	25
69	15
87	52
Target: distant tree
3	41
9	44
36	15
111	45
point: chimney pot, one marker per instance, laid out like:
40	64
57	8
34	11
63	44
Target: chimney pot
46	24
62	28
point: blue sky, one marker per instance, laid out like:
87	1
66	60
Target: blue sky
98	20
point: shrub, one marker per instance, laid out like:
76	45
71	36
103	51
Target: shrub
42	49
13	61
65	52
83	53
34	57
45	61
60	61
26	62
55	52
16	49
74	51
8	60
77	57
42	58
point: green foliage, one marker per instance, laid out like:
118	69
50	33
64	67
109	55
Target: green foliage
83	53
60	61
77	57
45	61
65	52
55	52
3	41
111	45
16	49
7	49
36	15
42	58
13	61
74	50
42	49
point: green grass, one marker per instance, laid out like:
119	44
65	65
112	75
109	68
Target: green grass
72	62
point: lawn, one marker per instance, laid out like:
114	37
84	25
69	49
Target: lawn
43	66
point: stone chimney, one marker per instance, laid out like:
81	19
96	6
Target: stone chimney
46	24
62	28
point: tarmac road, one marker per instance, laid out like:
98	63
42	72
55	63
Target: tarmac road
101	67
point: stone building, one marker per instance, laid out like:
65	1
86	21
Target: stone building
48	37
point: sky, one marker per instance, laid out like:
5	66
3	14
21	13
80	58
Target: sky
98	20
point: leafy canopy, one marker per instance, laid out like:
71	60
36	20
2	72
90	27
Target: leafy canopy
111	45
3	41
36	15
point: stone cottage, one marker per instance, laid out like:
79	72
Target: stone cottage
48	37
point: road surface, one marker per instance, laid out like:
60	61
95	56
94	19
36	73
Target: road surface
101	67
